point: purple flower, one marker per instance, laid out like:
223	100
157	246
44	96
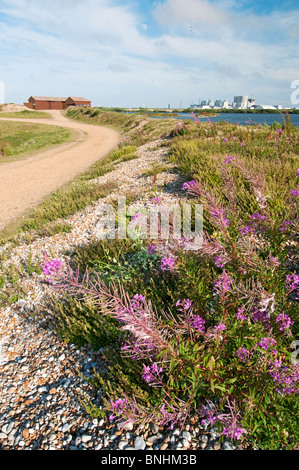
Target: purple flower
117	407
167	264
294	192
138	298
185	304
292	283
229	159
272	261
242	353
155	199
151	373
187	185
244	230
234	433
51	268
283	321
219	215
151	249
297	174
258	216
220	327
240	312
284	225
242	143
223	283
260	316
265	343
197	323
225	140
219	261
288	378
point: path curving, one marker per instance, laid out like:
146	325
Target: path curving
24	183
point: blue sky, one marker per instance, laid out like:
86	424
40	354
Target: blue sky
149	53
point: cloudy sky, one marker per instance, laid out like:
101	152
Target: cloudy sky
149	53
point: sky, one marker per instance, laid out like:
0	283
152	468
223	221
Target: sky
145	53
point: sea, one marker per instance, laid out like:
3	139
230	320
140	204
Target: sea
241	118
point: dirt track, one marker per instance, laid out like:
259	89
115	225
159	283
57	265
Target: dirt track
24	183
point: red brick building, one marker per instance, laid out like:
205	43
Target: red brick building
50	102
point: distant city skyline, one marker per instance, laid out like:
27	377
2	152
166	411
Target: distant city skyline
149	53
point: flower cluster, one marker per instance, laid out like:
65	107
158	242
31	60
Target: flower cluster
240	313
152	373
266	343
197	323
51	268
244	230
184	304
284	321
223	283
242	353
167	264
187	185
258	216
284	225
152	249
229	159
230	421
292	284
287	377
219	215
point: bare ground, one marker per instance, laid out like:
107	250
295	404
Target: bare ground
24	183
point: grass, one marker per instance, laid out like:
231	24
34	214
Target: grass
18	140
200	149
25	114
137	129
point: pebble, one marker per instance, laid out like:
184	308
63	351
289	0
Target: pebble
139	443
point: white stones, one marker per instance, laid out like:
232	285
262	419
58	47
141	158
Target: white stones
186	435
227	445
122	444
139	443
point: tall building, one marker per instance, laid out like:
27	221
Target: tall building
240	102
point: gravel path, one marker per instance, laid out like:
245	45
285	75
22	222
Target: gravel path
24	183
42	378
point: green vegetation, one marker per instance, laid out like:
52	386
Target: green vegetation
25	114
18	139
137	129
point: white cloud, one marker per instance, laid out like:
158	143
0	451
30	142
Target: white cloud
191	11
92	43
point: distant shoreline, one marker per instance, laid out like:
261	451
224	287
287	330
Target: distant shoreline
203	113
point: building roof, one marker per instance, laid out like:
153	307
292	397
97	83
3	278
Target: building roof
59	98
78	98
48	98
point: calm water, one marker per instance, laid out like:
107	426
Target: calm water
242	118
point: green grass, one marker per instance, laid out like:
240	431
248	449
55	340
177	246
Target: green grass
18	139
25	114
137	129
